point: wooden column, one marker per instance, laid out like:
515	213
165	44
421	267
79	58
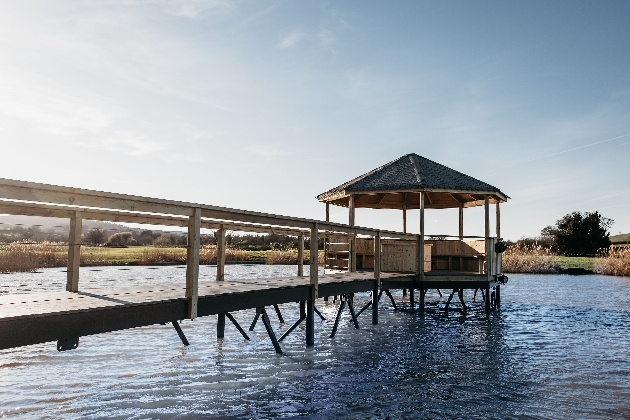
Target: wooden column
314	279
352	255
486	207
351	210
328	212
192	262
404	219
74	252
498	231
377	276
461	221
461	233
420	253
300	255
221	253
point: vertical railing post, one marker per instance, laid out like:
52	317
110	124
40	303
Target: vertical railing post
301	255
377	276
74	252
192	262
221	253
221	274
314	281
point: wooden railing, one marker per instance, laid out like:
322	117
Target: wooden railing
36	199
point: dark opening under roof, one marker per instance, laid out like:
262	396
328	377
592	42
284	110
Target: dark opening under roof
396	185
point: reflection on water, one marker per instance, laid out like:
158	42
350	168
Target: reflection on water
559	347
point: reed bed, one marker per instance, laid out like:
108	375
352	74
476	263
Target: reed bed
207	255
616	262
290	257
530	259
29	257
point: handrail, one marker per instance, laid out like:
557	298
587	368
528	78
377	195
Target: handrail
36	194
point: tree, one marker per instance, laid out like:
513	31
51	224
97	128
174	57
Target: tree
163	241
95	236
579	234
121	239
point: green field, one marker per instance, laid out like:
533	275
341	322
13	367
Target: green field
586	263
133	254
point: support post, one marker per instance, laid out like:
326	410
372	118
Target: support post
328	212
351	210
74	252
498	227
353	254
192	262
487	235
404	218
420	253
221	253
461	233
314	280
461	221
301	254
377	276
220	325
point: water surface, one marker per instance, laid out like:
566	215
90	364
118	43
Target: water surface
559	347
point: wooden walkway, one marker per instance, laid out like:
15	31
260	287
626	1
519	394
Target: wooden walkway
42	317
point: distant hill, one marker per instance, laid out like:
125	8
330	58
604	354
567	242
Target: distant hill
46	223
624	238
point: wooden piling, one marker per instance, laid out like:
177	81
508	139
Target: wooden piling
220	325
74	252
377	276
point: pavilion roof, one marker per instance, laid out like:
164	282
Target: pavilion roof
393	184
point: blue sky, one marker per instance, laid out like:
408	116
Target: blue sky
263	105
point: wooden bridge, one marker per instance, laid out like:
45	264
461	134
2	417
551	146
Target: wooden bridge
65	316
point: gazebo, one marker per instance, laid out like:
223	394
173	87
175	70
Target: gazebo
415	182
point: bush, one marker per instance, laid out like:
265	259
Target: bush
163	241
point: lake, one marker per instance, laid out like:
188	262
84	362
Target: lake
559	347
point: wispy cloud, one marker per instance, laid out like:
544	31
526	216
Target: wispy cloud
291	39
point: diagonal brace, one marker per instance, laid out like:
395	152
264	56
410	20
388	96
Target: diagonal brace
180	333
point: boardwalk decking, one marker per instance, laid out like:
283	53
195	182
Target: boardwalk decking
41	317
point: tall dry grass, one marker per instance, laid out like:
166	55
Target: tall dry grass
615	263
290	257
530	259
207	255
29	257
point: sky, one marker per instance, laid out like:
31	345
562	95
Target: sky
262	105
